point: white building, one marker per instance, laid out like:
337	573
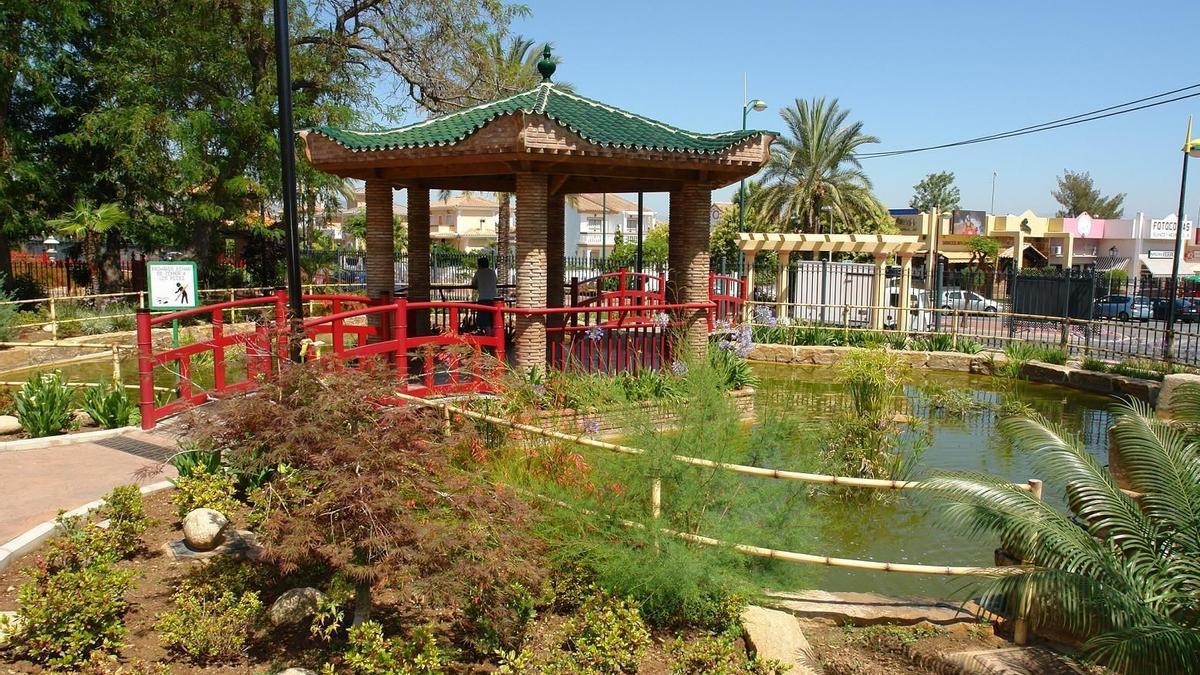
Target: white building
592	221
466	222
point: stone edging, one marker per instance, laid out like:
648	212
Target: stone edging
64	439
980	364
820	355
33	537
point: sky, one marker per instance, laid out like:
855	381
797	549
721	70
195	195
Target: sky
915	73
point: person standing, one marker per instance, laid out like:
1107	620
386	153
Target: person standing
484	283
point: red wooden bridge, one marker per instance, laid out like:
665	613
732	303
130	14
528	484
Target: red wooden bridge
618	322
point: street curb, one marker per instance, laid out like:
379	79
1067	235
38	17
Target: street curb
34	536
64	439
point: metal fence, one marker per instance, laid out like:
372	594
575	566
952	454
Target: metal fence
1103	315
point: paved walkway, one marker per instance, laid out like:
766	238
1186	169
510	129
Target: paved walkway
36	484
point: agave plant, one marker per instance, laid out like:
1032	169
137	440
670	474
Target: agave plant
1126	574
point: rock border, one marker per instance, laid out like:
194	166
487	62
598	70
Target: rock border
983	363
36	535
64	439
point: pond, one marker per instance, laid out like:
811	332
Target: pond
906	526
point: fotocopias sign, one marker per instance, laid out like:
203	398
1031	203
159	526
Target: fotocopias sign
171	285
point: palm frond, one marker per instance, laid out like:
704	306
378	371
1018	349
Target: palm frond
1148	648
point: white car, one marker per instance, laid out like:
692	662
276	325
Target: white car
967	301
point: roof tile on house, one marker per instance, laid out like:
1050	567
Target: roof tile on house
596	122
594	202
464	201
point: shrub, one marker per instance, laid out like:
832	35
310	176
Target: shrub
365	491
718	655
8	312
1017	354
496	617
210	627
25	287
607	635
967	346
733	370
934	342
110	406
66	614
370	653
44	404
872	378
193	455
1095	365
204	490
126	519
1054	355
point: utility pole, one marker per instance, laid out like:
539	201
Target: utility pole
992	210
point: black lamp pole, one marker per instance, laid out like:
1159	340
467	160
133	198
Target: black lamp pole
1169	338
639	234
287	159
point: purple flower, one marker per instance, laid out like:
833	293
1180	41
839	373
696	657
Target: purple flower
594	333
662	319
763	314
591	425
722	325
679	368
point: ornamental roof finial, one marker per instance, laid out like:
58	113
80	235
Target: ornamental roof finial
546	67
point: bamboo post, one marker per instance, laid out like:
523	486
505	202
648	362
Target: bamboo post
446	419
1021	629
954	330
116	364
846	322
53	322
656	498
1064	339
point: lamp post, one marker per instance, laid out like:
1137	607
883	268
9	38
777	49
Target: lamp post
287	158
757	105
1191	148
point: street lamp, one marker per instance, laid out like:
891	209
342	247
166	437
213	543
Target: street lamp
757	105
1191	148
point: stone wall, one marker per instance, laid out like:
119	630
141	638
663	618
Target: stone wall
816	355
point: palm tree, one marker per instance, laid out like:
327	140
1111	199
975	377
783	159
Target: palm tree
1127	576
815	166
87	223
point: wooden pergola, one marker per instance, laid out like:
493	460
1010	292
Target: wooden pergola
541	145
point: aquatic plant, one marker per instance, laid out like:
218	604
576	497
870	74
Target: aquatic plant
43	404
1125	574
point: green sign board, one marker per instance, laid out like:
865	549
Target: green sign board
171	284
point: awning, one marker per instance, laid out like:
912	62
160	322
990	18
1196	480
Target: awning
1007	252
1161	267
957	256
1109	263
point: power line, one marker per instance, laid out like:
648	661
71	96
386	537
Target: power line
1091	116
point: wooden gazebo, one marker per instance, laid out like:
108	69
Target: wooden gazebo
541	145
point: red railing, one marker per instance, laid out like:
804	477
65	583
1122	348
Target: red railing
729	293
619	288
437	347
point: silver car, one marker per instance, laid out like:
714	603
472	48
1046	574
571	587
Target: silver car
967	301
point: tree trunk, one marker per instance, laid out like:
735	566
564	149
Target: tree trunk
91	255
110	265
362	602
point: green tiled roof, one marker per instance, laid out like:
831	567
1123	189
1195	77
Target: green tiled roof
594	121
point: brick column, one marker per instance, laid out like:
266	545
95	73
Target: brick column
381	250
531	267
687	259
418	257
555	264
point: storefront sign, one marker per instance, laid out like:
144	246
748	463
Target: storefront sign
1160	254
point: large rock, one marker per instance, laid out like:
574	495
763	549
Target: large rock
294	606
10	624
9	424
1145	390
1171	385
955	361
204	529
83	420
1090	380
773	634
1036	371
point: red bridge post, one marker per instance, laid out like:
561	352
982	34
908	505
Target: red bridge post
145	345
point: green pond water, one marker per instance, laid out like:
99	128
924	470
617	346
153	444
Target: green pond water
906	528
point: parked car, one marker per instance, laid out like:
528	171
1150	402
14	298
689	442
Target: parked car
1123	307
1186	310
967	301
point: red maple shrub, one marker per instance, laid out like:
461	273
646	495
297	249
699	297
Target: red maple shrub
371	491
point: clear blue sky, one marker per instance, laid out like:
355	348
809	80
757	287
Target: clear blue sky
916	73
